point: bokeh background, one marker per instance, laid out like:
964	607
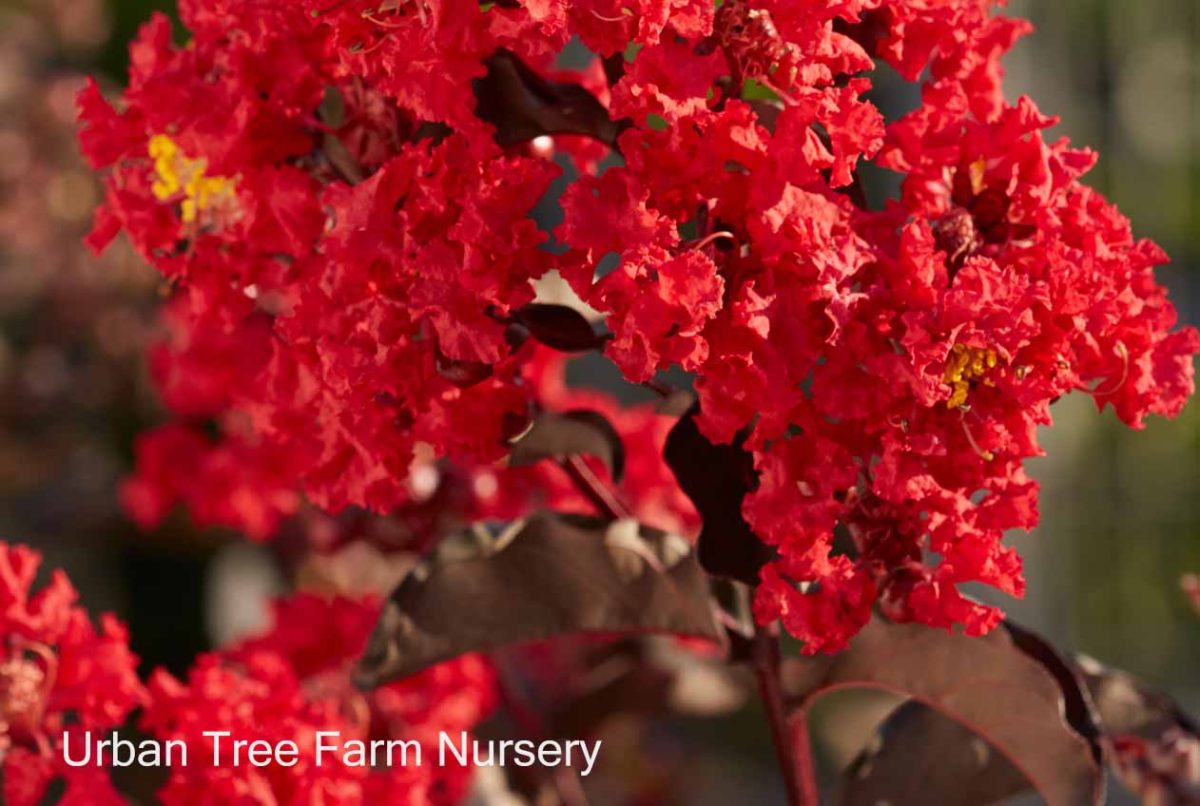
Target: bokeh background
1120	510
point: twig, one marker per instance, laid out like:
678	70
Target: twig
790	737
803	754
591	485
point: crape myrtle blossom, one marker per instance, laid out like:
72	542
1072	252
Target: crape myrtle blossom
293	682
59	672
346	244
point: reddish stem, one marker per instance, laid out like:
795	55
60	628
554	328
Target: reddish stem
600	494
792	747
802	752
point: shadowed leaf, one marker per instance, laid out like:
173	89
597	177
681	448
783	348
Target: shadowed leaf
559	326
462	374
989	684
1154	744
545	576
651	676
522	105
554	435
920	756
716	478
1078	707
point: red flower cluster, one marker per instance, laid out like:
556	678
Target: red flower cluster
294	682
348	242
58	672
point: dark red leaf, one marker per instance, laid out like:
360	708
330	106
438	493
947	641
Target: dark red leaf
554	435
920	756
559	326
989	684
462	373
522	105
1080	711
541	577
716	478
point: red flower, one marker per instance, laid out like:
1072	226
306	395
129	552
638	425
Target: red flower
294	682
348	242
58	672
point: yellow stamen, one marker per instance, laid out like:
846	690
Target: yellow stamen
176	173
165	153
978	171
967	364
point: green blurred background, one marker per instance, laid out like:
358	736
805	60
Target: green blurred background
1120	509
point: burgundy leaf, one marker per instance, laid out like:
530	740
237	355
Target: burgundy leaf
555	435
1079	709
920	756
559	326
716	478
522	105
462	373
541	577
989	684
